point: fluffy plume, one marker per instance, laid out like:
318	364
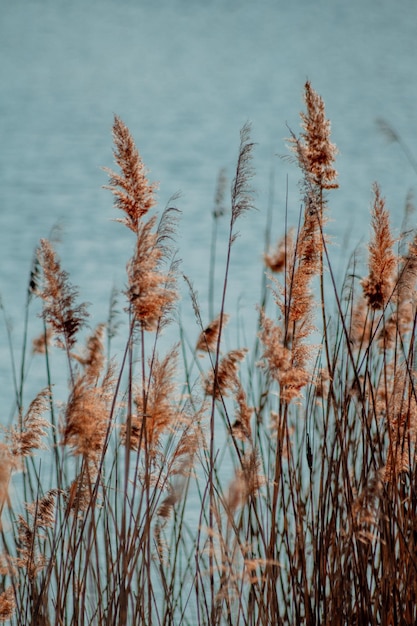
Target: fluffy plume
7	465
314	150
151	293
246	483
86	418
304	263
93	358
7	604
78	495
59	310
401	319
360	329
242	193
241	428
155	406
276	258
288	366
134	195
41	343
227	378
43	510
207	341
24	440
29	558
397	400
379	284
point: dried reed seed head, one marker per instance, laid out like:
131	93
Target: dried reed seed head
292	382
379	285
315	152
7	604
407	275
93	357
396	399
60	309
42	342
360	328
276	356
392	328
156	408
303	262
247	481
226	379
8	464
241	428
207	341
151	293
43	510
133	193
23	441
321	382
242	193
276	260
79	493
165	508
86	418
28	558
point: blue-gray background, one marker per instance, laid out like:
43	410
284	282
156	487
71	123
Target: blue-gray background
185	76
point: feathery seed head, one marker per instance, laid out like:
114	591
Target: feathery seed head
378	286
133	193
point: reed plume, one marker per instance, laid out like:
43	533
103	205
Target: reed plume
85	422
242	192
401	319
314	150
7	604
276	259
151	293
378	286
226	379
7	465
43	510
241	427
92	360
397	400
29	437
134	195
246	483
208	338
60	309
29	558
156	409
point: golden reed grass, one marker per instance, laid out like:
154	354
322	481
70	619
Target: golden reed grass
274	485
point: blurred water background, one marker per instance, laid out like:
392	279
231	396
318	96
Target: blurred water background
185	76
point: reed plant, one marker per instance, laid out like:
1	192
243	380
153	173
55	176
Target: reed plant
116	506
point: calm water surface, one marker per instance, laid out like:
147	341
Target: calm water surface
185	77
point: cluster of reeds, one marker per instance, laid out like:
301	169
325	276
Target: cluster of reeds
273	483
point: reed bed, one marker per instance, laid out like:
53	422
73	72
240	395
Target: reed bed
116	505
